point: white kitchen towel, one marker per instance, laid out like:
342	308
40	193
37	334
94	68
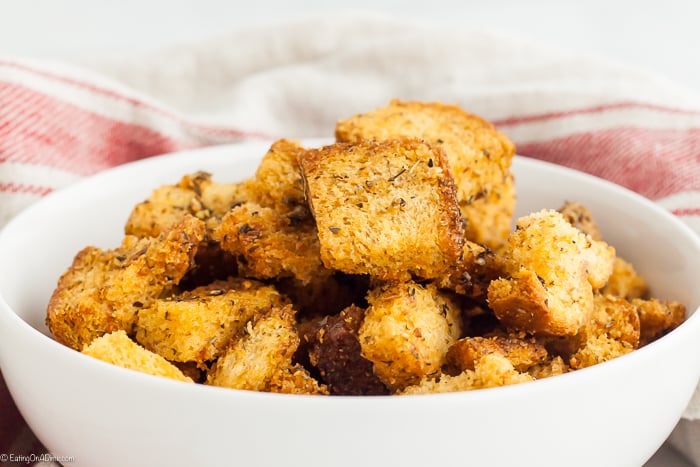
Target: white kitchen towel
59	122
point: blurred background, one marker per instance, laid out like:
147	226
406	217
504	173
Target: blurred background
659	36
662	36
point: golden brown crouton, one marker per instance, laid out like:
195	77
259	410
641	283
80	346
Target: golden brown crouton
195	194
197	326
550	367
384	208
479	157
269	244
657	318
552	268
625	282
102	291
521	352
116	348
260	355
407	330
296	380
491	370
336	352
580	217
612	331
277	183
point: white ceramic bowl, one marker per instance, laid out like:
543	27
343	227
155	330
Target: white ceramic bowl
617	413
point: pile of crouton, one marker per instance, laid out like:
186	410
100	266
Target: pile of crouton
384	263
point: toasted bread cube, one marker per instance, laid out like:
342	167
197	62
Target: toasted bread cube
296	380
407	330
625	282
387	208
491	370
551	367
260	354
116	348
195	194
613	330
277	183
102	291
198	325
336	352
479	157
522	353
580	217
490	215
657	318
270	244
471	275
553	268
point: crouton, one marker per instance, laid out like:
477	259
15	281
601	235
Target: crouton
612	331
296	380
550	367
522	353
552	270
277	183
580	217
336	352
625	282
197	326
407	330
116	348
471	275
657	318
479	156
269	244
260	354
103	290
387	208
195	194
491	370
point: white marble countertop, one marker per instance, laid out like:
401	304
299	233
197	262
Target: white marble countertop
659	36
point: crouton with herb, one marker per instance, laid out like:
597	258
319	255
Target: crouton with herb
657	317
198	325
552	270
490	371
407	330
479	157
116	348
260	358
195	194
523	352
386	208
103	290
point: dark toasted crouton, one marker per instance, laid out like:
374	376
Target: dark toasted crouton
335	351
